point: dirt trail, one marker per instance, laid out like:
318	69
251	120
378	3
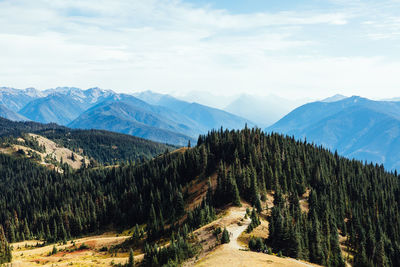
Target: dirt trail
236	230
233	254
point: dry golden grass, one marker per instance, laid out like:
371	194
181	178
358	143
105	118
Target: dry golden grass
225	256
303	201
59	153
23	256
259	231
180	150
197	190
52	150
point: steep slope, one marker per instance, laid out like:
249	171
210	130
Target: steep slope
356	127
15	99
207	117
11	115
183	123
64	104
126	118
55	108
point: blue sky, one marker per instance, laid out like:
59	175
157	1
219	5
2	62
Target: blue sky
295	49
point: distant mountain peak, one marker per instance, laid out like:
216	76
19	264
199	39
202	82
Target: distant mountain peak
334	98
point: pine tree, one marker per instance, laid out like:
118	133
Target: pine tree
54	251
204	158
361	259
236	196
5	250
131	261
381	259
315	239
27	232
49	237
233	190
180	205
225	236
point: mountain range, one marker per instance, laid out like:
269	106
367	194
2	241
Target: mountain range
161	118
356	127
207	117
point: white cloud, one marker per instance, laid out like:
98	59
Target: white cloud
171	46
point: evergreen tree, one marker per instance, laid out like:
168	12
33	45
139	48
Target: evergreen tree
180	204
359	200
5	250
131	261
225	237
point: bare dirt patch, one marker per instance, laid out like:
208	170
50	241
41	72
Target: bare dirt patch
303	201
197	190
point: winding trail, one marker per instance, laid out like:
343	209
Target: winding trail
236	230
233	254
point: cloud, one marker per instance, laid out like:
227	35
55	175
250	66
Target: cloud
173	46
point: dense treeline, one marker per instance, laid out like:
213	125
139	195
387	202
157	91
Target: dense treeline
36	202
104	146
172	254
358	201
14	128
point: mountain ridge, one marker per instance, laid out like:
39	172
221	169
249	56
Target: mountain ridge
356	127
166	119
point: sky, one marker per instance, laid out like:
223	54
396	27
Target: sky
294	49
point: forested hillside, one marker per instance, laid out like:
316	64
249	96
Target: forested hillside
356	127
101	146
13	128
361	202
106	147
